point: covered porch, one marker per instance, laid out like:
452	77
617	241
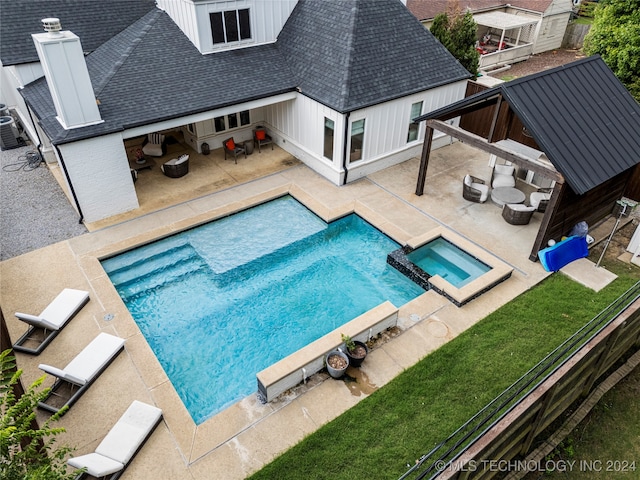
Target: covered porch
504	38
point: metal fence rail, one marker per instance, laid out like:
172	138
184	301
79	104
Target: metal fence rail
431	464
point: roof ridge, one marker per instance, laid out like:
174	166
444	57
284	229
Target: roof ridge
351	38
147	22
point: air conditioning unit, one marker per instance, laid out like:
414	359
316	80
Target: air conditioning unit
4	110
8	133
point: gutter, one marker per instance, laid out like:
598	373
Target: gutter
344	148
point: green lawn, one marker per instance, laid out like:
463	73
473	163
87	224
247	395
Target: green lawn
388	431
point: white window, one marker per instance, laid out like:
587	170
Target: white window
414	128
230	26
357	140
329	128
231	121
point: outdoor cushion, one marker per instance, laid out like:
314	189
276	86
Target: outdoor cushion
56	372
129	432
231	144
536	197
467	180
60	309
261	134
521	207
97	465
504	169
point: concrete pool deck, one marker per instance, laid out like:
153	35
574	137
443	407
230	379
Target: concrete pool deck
241	439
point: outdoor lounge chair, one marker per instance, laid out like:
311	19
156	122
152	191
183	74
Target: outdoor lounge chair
517	213
474	189
74	379
262	138
540	199
232	148
176	167
154	145
44	327
503	176
122	442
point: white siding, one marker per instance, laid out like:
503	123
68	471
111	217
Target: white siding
299	128
551	33
101	177
267	18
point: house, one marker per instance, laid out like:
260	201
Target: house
574	127
336	83
508	32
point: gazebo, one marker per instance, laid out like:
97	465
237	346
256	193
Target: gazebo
575	125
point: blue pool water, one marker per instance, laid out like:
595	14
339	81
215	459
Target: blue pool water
223	301
441	257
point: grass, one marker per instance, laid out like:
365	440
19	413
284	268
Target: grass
385	433
606	443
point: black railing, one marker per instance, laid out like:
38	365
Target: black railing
432	463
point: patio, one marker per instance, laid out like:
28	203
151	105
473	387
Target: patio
249	434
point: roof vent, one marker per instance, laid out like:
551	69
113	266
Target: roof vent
52	26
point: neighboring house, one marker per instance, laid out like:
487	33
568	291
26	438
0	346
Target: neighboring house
515	29
336	82
573	126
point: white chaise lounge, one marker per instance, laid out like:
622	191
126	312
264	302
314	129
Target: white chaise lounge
122	442
74	379
43	328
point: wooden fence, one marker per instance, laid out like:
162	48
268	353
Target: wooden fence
487	445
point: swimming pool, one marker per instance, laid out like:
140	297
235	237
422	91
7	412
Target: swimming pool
223	301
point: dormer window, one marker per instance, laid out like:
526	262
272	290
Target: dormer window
230	26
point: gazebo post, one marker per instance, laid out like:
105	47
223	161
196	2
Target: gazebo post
424	160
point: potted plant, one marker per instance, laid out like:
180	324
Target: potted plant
355	350
337	363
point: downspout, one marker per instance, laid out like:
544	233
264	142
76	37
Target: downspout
39	147
344	148
73	192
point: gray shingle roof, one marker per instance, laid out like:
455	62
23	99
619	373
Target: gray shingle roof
579	114
346	54
151	72
93	21
350	54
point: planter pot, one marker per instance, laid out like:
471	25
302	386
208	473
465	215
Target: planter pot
358	354
337	363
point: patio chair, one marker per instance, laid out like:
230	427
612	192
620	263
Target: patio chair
154	145
74	379
44	327
540	199
517	213
232	148
120	445
176	167
262	138
503	176
474	189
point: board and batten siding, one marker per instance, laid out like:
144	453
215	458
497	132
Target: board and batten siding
101	176
300	124
267	18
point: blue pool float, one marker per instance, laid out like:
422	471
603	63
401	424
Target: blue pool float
562	253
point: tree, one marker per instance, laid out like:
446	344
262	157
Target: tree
27	452
615	36
457	33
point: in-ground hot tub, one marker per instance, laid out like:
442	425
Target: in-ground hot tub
446	262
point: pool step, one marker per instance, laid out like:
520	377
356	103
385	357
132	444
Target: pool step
160	276
141	267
